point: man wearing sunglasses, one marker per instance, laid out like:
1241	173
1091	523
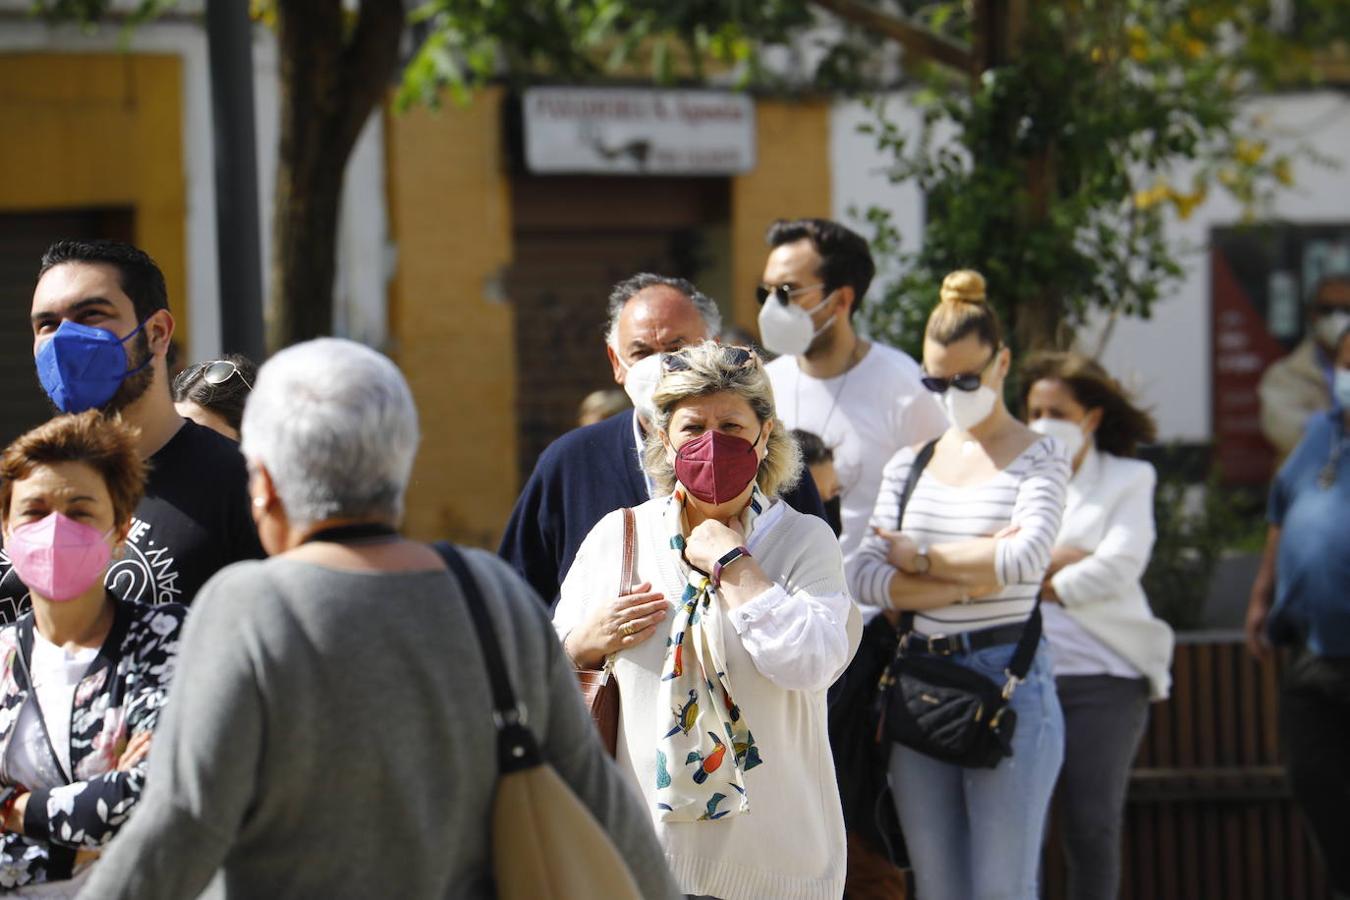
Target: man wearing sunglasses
1298	387
862	398
592	471
101	332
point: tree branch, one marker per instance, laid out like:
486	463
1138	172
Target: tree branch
922	43
368	63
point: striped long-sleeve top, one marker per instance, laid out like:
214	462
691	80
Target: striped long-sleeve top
1029	493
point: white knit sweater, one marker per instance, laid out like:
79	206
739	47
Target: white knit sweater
793	641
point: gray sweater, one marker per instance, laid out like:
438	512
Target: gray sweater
329	734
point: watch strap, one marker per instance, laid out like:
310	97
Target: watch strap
727	559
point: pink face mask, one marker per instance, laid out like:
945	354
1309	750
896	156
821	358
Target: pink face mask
716	467
58	558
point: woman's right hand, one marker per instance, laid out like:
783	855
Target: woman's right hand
616	624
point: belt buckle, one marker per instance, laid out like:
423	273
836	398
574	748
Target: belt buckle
940	645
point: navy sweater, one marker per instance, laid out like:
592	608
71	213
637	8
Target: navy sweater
579	479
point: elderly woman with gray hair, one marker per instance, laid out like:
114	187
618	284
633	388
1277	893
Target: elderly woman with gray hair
724	649
330	730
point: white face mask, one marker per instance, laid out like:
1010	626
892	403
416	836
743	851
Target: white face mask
639	382
1328	329
966	409
787	329
1070	434
1341	388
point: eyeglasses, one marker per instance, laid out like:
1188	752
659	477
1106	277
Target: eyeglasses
783	292
736	357
218	372
967	382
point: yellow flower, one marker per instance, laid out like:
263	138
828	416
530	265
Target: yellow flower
1283	171
1151	197
1186	203
1249	153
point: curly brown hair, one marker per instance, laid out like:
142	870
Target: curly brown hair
107	445
1124	425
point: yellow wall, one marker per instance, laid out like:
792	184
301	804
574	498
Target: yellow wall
450	210
791	178
87	130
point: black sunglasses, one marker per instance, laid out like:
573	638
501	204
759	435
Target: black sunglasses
782	292
967	382
737	357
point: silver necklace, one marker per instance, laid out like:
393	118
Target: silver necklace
853	361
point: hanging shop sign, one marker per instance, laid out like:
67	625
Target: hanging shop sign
629	131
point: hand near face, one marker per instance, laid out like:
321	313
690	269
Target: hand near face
710	541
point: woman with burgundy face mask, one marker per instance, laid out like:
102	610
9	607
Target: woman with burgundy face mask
83	675
723	712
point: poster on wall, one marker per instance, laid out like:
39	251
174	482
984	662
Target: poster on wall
634	131
1261	282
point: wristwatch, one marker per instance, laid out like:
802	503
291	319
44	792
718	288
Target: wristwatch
727	559
922	562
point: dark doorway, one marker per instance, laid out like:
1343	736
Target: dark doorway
23	239
576	237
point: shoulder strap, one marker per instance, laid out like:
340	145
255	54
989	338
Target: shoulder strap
629	550
921	461
1026	645
516	746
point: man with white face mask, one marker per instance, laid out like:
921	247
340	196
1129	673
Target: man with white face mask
863	398
1298	387
592	471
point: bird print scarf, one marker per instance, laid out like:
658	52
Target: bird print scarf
704	747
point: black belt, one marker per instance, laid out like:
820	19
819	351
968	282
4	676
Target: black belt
964	642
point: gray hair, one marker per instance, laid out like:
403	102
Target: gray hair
335	426
632	286
711	371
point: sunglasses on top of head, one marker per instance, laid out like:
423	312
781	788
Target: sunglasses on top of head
783	292
967	382
736	357
215	373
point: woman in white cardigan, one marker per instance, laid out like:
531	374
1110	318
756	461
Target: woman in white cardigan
1111	655
725	648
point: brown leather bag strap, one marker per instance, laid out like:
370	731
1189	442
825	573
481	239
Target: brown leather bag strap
629	547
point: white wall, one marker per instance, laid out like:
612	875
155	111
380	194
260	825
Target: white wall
1166	359
363	242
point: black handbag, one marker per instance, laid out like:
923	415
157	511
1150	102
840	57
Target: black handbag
943	709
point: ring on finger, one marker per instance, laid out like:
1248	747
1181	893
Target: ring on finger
626	629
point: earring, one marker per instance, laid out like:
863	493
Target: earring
259	502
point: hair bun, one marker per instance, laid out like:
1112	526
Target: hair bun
963	286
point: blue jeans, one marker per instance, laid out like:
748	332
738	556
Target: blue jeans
975	834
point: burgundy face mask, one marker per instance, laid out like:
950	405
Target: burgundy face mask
716	467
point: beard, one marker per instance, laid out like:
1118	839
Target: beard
133	386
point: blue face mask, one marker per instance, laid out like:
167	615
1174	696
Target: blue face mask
81	367
1340	388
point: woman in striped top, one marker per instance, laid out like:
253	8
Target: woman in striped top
969	560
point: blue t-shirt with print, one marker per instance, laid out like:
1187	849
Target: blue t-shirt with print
1312	583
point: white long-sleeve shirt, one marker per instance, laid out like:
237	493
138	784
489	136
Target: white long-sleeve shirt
794	640
1029	493
1104	624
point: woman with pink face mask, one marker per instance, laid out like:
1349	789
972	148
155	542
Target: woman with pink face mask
83	674
735	624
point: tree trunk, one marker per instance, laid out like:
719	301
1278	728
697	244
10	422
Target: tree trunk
331	77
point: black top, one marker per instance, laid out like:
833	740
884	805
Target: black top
579	479
193	521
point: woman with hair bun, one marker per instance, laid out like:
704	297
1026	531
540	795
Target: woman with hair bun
962	572
1111	656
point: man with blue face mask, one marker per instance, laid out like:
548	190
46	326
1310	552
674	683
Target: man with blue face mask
101	330
592	471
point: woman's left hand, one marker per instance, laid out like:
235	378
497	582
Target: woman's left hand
710	541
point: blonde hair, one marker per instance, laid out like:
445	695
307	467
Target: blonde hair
963	309
711	371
